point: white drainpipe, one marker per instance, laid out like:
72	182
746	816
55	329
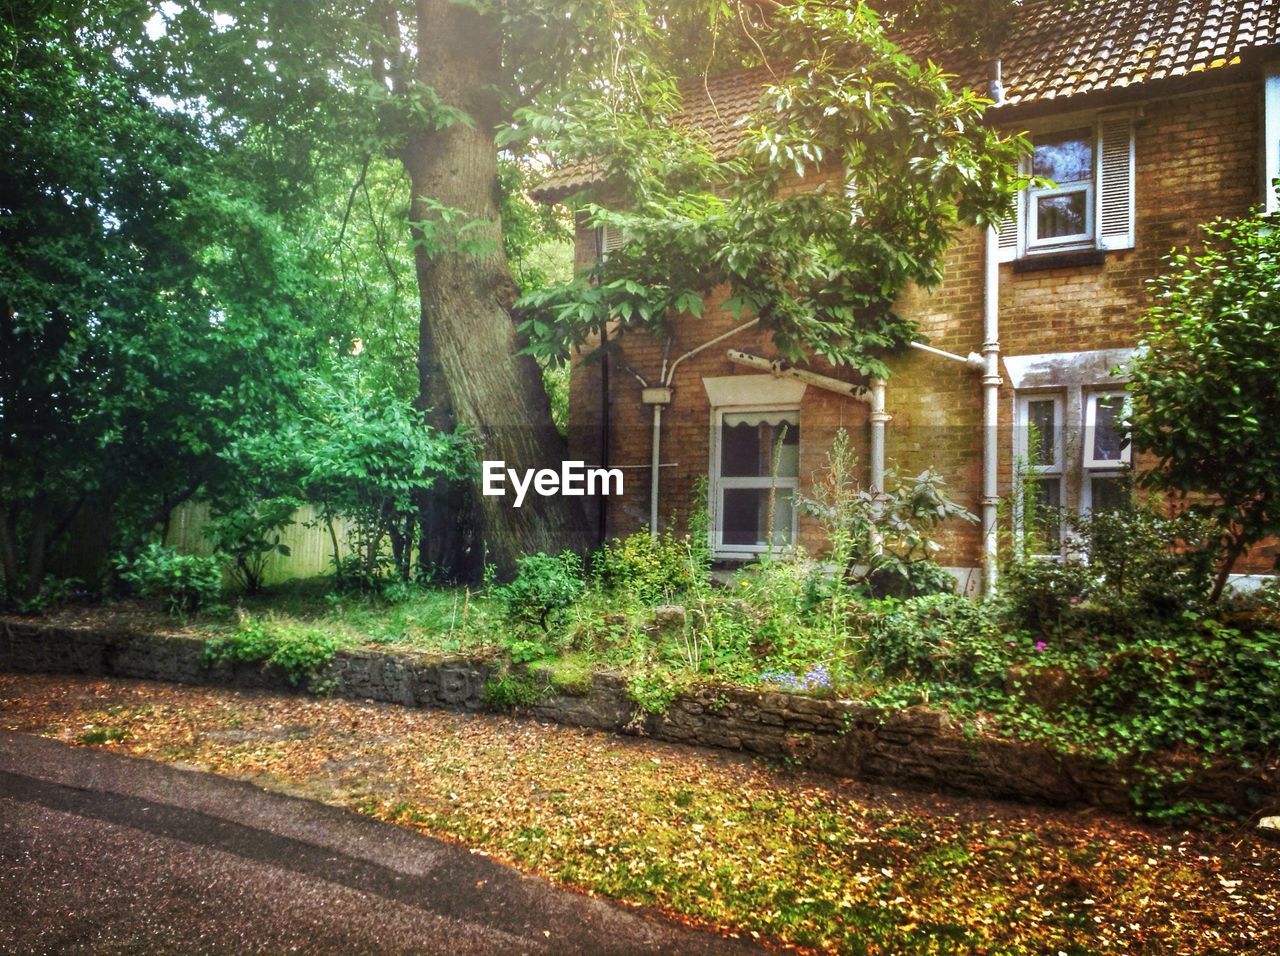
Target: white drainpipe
879	418
658	397
990	414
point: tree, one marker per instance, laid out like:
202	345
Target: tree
1206	394
152	305
434	83
900	162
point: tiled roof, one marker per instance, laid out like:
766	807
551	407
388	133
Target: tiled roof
1054	52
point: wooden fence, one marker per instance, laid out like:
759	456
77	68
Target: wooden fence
310	547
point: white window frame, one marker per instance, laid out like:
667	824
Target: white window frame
1086	186
1271	138
1090	424
765	482
1055	469
1109	192
1095	468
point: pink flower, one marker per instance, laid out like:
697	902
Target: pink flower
1041	645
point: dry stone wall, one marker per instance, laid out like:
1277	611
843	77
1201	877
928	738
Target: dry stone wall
915	748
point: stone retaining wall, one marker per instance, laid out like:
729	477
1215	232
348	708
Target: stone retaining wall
915	748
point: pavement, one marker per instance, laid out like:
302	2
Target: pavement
105	853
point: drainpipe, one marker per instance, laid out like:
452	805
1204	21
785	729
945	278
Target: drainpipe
990	412
879	418
659	396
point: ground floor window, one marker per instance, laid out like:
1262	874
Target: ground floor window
755	476
1072	457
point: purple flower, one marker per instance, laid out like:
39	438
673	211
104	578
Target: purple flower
1041	645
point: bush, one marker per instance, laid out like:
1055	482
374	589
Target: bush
940	637
187	582
544	590
1138	569
301	654
651	571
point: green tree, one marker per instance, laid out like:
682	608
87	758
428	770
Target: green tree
152	303
898	161
1205	390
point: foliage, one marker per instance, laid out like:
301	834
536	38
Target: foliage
544	589
822	281
187	582
654	691
883	539
1204	397
510	687
1135	567
249	534
302	654
154	298
938	637
644	569
365	455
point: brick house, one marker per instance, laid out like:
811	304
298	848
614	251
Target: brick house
1152	117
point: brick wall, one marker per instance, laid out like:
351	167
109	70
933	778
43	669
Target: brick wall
1196	159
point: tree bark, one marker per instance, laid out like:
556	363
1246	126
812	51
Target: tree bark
447	507
466	292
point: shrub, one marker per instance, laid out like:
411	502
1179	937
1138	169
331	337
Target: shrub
248	534
545	588
300	653
883	539
511	688
652	571
1204	391
936	637
1137	569
186	581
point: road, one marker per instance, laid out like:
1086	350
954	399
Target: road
100	852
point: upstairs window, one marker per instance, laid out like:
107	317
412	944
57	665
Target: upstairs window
757	472
1089	202
1062	213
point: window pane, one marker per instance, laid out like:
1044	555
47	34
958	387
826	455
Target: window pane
1061	215
748	444
1064	157
745	516
1042	515
1108	440
1108	493
1042	430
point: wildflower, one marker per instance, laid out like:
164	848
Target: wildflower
1040	646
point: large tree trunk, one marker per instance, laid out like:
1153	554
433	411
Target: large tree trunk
467	292
447	508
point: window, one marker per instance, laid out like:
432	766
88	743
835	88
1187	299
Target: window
1041	454
1089	204
1062	213
1073	458
1104	486
1271	139
757	471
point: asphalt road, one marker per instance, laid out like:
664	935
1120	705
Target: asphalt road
104	853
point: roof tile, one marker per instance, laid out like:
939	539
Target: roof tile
1051	53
